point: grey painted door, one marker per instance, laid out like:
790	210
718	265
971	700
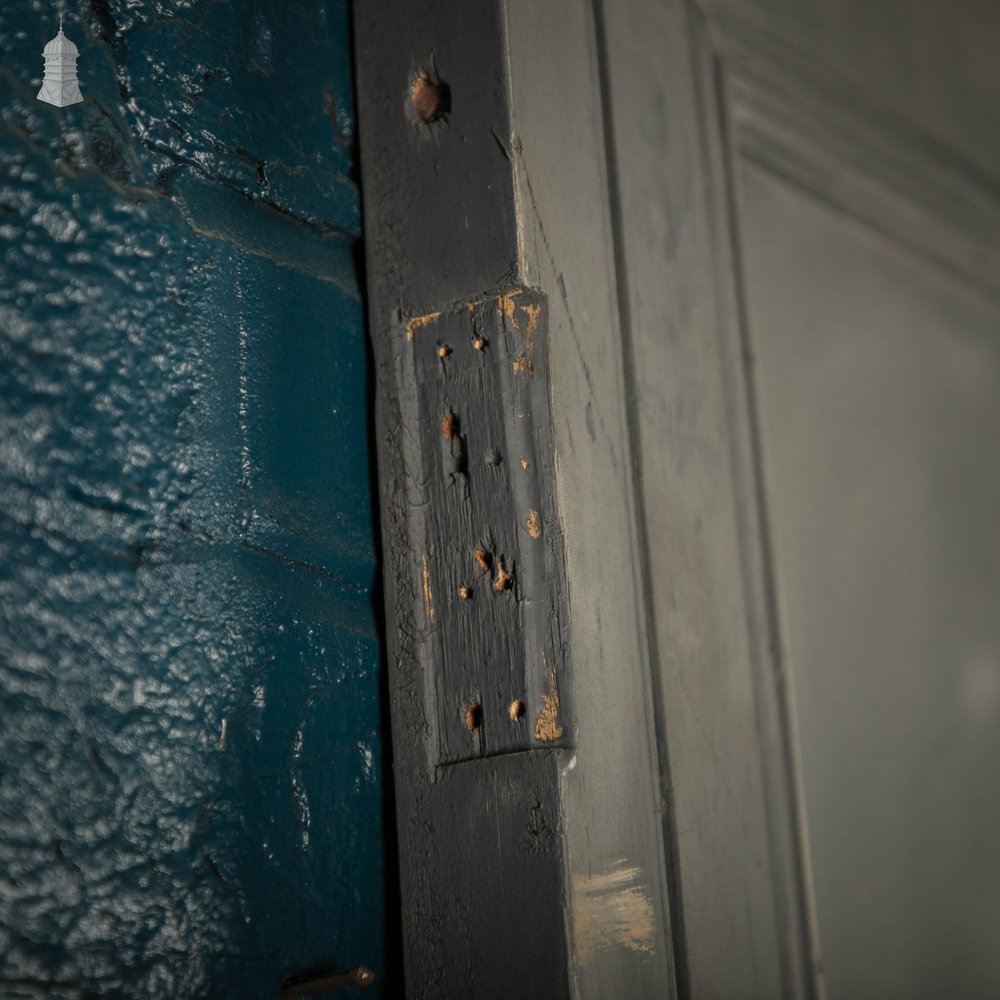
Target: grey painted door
812	276
762	237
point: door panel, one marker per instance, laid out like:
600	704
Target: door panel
809	285
877	378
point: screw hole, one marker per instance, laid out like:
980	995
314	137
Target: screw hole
517	710
430	98
473	717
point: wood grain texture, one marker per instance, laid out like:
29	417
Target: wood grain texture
480	836
473	384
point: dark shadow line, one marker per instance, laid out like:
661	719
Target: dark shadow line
392	984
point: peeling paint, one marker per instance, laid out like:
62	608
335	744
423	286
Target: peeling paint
419	322
506	306
611	909
523	365
534	524
548	726
533	313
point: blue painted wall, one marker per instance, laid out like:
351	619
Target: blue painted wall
190	764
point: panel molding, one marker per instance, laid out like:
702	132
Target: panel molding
800	120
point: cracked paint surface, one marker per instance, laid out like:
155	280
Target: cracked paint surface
190	756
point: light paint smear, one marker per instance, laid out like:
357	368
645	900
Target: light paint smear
428	596
609	909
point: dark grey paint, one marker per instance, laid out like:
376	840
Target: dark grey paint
480	836
473	385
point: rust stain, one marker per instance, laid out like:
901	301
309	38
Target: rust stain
524	366
419	322
428	596
547	726
534	524
449	425
611	908
504	579
506	306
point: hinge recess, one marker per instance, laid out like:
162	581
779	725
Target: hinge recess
488	565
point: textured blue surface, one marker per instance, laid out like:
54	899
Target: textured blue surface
190	789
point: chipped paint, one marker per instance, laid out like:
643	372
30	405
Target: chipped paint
428	596
523	365
419	322
533	313
506	306
492	603
534	524
611	909
548	726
